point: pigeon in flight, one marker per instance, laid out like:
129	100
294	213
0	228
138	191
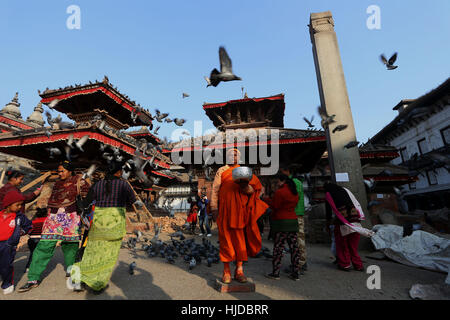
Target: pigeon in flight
326	119
340	127
370	183
168	120
185	95
89	172
79	144
53	103
351	144
179	122
53	152
156	130
309	122
226	71
160	116
373	203
389	63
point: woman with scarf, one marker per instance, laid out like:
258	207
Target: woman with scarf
62	224
111	195
347	227
237	208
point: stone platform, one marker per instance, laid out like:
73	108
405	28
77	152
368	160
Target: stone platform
235	286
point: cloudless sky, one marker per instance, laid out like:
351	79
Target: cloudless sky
155	50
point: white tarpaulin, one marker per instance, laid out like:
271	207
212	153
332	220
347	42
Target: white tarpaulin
420	249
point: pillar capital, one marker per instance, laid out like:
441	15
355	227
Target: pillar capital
321	21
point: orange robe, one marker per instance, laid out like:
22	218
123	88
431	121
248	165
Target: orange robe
238	231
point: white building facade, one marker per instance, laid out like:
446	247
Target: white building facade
421	133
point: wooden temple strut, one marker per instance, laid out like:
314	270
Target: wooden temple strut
2	177
35	181
139	198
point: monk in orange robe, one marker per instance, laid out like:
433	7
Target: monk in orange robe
236	207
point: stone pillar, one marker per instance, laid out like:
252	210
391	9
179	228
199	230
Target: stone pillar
334	98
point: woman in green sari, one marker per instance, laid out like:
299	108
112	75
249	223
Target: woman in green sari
112	195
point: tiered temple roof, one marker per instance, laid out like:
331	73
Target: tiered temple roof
100	112
82	102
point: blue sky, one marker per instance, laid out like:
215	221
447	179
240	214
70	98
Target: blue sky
155	50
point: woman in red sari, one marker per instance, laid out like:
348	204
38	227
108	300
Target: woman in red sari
236	207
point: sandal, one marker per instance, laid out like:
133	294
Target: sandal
226	278
240	277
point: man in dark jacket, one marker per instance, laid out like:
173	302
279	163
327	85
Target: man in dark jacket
13	224
203	215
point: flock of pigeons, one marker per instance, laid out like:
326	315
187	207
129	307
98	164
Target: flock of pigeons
192	253
189	250
327	119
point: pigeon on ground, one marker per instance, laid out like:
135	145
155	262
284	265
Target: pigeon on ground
170	259
389	63
226	71
132	267
138	234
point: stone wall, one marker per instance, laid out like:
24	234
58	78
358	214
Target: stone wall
315	225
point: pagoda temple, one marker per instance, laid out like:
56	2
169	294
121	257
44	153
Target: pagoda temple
304	151
101	113
250	124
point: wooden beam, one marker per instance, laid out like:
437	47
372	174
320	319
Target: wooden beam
36	181
139	198
2	177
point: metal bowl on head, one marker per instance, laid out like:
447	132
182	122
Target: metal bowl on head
242	173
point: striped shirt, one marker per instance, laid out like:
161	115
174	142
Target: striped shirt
121	194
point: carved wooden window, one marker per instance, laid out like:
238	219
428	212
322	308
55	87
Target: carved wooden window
432	178
404	154
423	146
445	133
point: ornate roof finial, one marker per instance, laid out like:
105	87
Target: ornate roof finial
36	116
12	108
